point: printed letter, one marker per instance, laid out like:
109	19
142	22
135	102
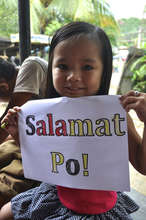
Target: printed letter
30	125
62	129
72	167
103	130
41	131
57	159
117	126
81	127
50	123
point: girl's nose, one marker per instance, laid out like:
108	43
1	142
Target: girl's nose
74	76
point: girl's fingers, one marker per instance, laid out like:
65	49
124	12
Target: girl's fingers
130	93
127	101
17	108
14	110
11	117
131	100
136	101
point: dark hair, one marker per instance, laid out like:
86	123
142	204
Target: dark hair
7	70
96	34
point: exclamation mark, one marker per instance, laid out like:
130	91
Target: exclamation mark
85	164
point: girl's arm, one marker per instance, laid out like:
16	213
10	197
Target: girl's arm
10	123
137	147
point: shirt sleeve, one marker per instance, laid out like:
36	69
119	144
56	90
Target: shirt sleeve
30	77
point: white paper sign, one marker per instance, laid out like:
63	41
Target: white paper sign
76	142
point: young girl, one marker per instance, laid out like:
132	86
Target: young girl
80	64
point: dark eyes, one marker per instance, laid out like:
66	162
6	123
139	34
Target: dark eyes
65	67
62	67
87	67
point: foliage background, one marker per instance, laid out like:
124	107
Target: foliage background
8	18
49	15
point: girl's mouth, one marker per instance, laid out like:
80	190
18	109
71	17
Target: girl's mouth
74	90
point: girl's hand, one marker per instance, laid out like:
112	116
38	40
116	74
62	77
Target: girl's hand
136	101
10	122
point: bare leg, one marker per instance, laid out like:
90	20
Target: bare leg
2	201
6	212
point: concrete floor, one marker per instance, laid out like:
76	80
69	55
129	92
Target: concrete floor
140	199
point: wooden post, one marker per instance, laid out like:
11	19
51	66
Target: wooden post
24	29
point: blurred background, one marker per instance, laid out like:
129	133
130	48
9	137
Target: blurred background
123	21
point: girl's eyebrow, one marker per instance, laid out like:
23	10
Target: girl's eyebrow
59	60
89	60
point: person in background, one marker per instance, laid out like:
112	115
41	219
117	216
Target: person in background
80	64
30	83
8	74
15	60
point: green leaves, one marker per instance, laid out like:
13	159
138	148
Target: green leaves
9	17
48	15
96	12
139	74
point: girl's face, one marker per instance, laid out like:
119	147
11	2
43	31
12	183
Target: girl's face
77	68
